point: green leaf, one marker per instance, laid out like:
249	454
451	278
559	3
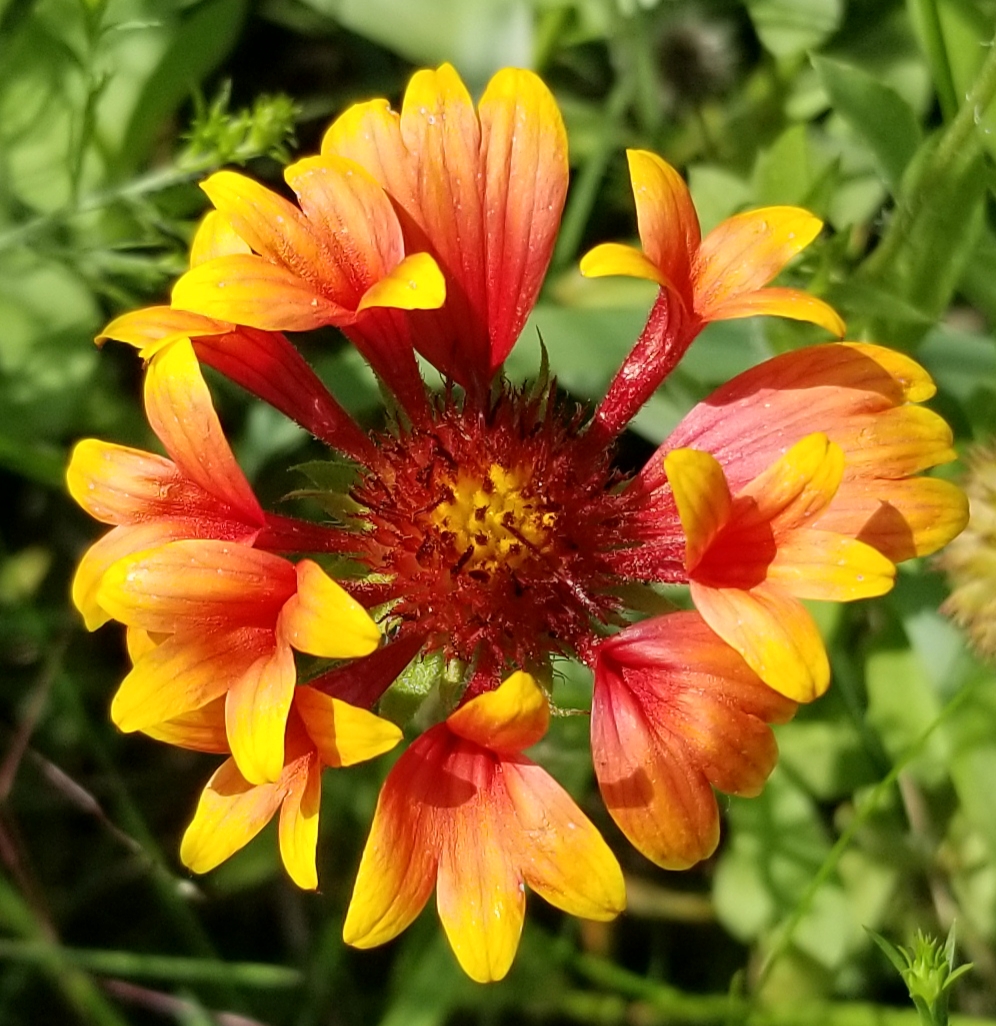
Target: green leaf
879	115
790	27
478	36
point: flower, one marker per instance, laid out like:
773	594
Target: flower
263	362
752	556
716	278
181	562
483	193
321	731
673	716
490	532
857	492
721	276
463	810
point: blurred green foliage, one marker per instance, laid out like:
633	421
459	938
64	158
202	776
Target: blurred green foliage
877	114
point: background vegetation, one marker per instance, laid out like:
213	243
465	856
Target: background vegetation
882	814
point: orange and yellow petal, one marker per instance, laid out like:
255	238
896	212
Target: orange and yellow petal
512	717
415	284
779	302
665	215
181	413
323	620
525	170
117	544
249	290
193	585
774	633
398	867
702	497
895	443
256	710
356	222
343	734
298	824
479	895
659	799
901	519
674	711
797	486
230	813
200	730
184	673
614	258
440	129
370	134
215	237
817	564
269	224
561	855
749	422
116	484
746	251
153	325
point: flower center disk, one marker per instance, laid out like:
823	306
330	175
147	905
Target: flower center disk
493	532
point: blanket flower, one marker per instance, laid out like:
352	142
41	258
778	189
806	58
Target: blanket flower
489	530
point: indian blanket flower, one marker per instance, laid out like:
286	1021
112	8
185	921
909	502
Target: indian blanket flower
321	732
488	530
464	811
181	563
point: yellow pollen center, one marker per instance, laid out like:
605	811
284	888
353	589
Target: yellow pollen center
497	520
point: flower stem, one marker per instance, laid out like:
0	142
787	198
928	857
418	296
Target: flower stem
937	54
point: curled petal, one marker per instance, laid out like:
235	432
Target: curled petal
324	620
155	324
780	302
615	258
215	237
415	284
298	824
185	673
230	813
798	486
562	856
181	413
510	718
256	711
246	289
702	497
194	585
745	252
343	734
773	632
665	214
